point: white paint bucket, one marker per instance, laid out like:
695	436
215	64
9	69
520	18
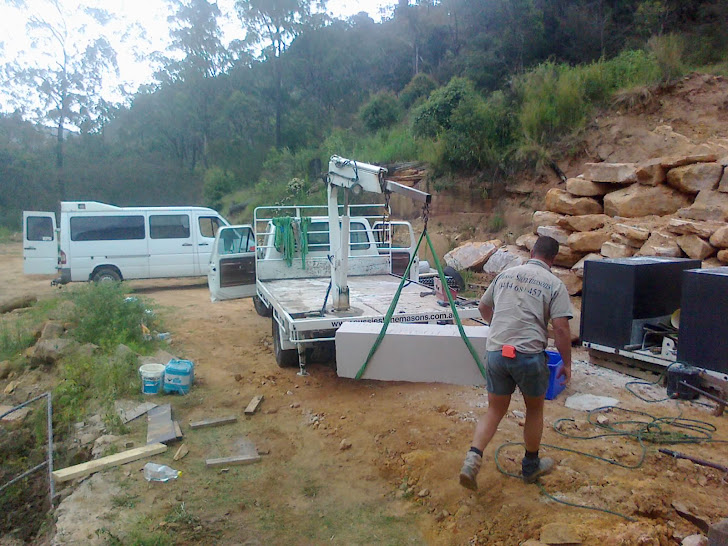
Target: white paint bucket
152	378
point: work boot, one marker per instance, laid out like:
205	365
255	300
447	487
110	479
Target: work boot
534	468
470	469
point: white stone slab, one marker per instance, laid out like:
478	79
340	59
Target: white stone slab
411	352
588	402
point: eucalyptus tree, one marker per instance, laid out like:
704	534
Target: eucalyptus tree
60	77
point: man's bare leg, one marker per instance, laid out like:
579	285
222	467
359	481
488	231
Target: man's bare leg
533	466
484	432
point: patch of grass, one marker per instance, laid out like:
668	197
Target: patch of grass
15	337
124	501
496	222
7	235
139	535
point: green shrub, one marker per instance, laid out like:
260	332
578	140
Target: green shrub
105	316
418	88
217	184
668	51
433	116
380	112
496	222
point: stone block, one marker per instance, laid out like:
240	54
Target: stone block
50	351
651	173
471	255
52	330
723	184
680	161
527	241
719	239
695	247
710	205
545	218
723	256
567	257
695	178
563	202
585	222
623	240
610	249
718	533
638	200
571	280
559	533
588	241
615	173
632	232
693	227
411	352
582	187
504	258
661	244
578	268
560	234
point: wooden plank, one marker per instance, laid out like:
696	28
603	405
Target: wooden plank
181	452
160	427
628	366
254	403
84	469
213	422
229	461
177	430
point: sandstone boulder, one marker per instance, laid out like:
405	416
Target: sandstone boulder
52	330
578	268
719	239
545	218
695	247
527	241
572	282
610	249
560	234
564	203
586	188
711	263
471	255
632	232
615	173
50	351
693	227
723	184
661	244
504	258
680	161
638	200
588	241
623	240
709	205
586	222
694	178
651	173
723	256
567	257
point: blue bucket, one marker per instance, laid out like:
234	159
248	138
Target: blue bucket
555	364
152	378
179	376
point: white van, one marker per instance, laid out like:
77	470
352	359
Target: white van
101	242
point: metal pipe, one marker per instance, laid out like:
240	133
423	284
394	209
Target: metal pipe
20	406
49	416
706	394
23	475
696	460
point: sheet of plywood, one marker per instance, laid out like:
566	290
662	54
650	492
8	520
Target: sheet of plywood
84	469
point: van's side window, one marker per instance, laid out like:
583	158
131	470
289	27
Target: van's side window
40	228
209	226
169	226
107	228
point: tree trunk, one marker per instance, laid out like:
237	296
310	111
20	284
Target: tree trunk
59	161
278	99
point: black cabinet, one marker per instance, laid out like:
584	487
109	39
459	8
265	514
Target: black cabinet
703	339
621	295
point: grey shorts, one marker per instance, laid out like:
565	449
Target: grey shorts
529	371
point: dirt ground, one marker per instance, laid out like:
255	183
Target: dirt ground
397	483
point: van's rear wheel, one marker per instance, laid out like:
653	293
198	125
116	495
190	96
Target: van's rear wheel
106	274
261	308
285	358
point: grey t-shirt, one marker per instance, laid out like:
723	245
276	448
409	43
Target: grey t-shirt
524	299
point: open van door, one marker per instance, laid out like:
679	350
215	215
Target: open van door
232	264
40	243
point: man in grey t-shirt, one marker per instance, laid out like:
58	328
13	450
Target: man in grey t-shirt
518	305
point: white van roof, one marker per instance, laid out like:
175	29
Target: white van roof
95	206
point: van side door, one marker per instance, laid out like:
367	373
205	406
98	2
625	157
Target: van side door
207	226
231	273
40	243
171	248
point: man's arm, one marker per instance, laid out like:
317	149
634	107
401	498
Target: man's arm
486	311
562	337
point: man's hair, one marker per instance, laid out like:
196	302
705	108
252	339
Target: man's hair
546	247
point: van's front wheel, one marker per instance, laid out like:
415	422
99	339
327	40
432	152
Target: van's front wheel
106	274
285	358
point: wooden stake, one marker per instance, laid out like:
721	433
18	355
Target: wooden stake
254	403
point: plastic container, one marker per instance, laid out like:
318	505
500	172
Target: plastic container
154	472
152	378
555	364
179	376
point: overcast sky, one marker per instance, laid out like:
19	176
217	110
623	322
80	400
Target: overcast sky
149	15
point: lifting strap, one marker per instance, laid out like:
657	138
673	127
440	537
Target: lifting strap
393	305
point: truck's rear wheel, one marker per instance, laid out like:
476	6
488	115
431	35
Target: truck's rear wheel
106	274
261	308
285	358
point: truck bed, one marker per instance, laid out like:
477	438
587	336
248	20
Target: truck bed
370	297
